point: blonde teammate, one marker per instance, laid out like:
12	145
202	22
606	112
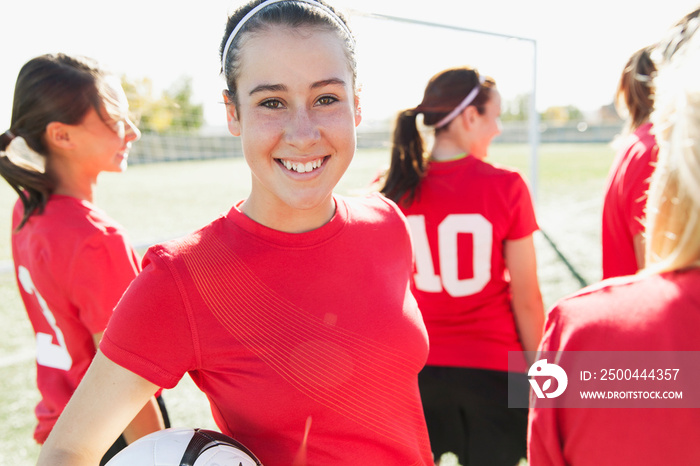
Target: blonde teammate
657	310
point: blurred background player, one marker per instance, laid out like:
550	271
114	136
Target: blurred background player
628	180
308	351
475	273
656	310
73	263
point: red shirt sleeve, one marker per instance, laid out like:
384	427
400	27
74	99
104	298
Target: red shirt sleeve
101	271
150	332
523	221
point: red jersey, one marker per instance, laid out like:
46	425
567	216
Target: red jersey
461	217
72	264
637	313
625	200
278	328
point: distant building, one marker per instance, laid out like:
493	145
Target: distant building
608	115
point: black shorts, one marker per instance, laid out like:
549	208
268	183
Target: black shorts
121	444
467	413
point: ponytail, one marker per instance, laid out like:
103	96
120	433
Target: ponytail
33	186
635	96
51	87
447	94
408	161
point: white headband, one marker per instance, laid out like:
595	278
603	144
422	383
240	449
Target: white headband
255	10
459	108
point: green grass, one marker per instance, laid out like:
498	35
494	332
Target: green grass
161	201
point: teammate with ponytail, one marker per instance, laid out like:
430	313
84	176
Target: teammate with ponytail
475	274
69	124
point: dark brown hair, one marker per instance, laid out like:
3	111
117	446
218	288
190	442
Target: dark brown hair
52	87
289	13
444	92
634	90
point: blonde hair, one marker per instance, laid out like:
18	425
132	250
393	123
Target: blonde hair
673	206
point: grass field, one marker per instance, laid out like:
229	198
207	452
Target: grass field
161	201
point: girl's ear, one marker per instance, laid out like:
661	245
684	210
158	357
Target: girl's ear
234	125
59	135
358	110
469	116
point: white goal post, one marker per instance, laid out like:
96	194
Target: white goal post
533	116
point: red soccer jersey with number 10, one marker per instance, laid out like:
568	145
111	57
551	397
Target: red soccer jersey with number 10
463	213
72	264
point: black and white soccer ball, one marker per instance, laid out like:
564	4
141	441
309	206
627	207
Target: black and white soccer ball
185	447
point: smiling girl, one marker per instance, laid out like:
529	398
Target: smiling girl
292	312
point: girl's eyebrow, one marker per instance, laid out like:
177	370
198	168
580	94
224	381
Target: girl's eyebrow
328	82
283	88
268	88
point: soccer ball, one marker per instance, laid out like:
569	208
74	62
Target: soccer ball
185	447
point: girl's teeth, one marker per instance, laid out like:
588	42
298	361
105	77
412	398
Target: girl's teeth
302	167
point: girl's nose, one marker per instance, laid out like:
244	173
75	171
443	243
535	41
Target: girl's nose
131	132
302	132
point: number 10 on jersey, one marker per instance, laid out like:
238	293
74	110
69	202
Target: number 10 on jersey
426	279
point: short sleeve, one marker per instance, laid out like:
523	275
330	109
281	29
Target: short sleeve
102	269
150	332
523	221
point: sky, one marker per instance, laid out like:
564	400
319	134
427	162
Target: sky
580	47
